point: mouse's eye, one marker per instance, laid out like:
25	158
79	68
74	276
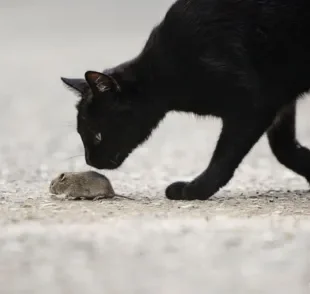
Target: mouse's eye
62	177
97	138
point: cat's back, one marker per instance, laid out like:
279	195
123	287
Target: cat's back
271	36
201	23
203	14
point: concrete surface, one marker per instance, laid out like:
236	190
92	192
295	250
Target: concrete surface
252	237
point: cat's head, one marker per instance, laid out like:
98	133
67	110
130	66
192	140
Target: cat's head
112	119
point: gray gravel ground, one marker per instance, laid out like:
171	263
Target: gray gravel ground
251	237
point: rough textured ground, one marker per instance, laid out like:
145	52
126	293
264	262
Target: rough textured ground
150	245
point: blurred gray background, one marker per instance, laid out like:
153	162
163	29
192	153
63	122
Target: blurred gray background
43	40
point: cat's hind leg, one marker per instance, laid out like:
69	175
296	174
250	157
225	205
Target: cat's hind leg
285	146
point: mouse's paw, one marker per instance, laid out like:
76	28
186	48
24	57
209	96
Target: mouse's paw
98	198
73	198
59	197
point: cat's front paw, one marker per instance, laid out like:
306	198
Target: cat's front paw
184	191
188	191
176	191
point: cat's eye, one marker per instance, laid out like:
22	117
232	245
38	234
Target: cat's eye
62	177
98	138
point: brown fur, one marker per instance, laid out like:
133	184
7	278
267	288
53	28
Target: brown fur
88	185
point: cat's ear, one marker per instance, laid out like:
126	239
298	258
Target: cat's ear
77	85
100	82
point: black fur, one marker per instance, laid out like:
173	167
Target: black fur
244	61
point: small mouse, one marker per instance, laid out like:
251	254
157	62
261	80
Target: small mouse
88	185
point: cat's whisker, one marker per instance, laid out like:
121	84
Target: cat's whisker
68	124
75	156
112	161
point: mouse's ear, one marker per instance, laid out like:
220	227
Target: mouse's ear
100	82
62	177
77	85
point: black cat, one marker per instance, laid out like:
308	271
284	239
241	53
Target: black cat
246	62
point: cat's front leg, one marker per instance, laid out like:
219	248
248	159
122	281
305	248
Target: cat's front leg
238	136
